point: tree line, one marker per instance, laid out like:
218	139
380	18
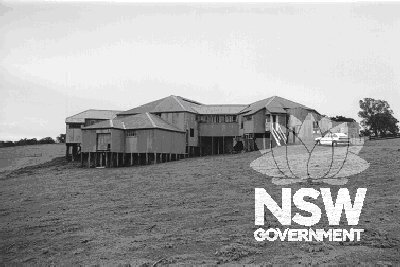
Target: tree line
35	141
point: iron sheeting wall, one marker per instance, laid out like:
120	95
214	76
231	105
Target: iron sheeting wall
73	135
117	141
155	141
88	141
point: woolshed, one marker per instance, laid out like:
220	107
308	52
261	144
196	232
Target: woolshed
173	127
132	140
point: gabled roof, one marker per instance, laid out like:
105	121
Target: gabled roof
135	122
219	109
274	104
170	103
92	114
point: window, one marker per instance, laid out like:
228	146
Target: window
249	118
191	132
315	124
157	114
130	133
222	118
230	118
74	126
241	125
90	122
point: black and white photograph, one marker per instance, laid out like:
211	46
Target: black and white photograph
138	133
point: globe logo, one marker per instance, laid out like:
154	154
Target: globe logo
311	162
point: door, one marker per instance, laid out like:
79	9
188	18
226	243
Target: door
103	141
274	122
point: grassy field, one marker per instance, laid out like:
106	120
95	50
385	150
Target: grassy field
12	158
195	211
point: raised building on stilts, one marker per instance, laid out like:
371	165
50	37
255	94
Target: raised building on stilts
174	127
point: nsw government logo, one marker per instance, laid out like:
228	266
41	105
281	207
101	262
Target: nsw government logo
311	163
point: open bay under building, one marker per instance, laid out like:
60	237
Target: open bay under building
174	127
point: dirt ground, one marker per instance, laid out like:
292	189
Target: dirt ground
195	211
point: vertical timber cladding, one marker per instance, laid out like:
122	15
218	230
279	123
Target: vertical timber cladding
260	137
184	121
103	140
89	142
191	125
117	141
156	141
73	133
168	142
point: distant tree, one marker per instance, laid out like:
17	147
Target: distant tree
25	141
377	117
61	138
47	140
342	119
364	132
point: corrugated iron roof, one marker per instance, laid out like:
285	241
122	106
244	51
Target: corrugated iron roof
92	114
274	104
139	121
167	104
219	109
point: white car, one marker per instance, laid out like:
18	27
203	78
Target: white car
333	139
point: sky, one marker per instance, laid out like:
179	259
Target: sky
60	58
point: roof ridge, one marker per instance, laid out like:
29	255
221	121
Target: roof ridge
92	109
101	109
269	102
224	104
79	113
151	120
189	100
291	101
179	102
